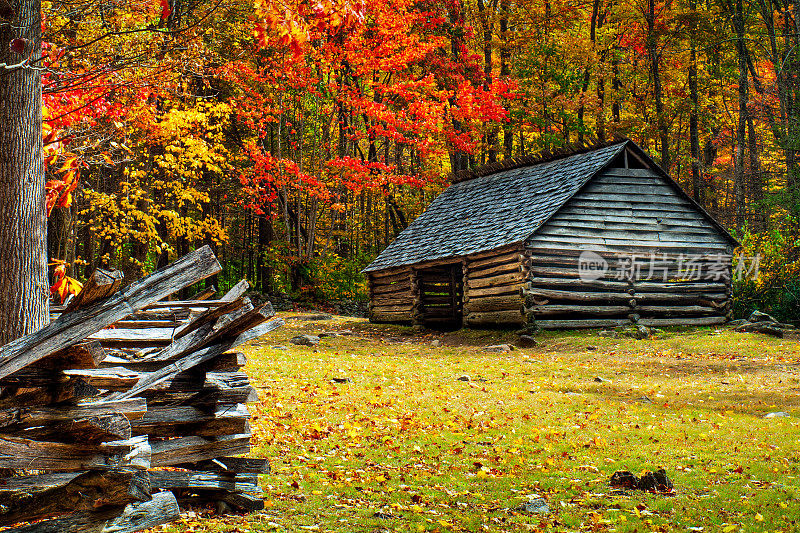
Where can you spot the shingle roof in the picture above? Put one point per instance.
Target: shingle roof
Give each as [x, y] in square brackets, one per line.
[491, 211]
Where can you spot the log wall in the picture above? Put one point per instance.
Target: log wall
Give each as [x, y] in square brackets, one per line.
[390, 296]
[492, 283]
[666, 264]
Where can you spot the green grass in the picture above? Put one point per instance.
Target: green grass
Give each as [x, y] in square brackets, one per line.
[407, 439]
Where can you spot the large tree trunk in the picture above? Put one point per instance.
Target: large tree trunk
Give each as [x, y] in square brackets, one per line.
[23, 214]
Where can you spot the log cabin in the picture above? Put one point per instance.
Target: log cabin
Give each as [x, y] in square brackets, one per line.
[598, 236]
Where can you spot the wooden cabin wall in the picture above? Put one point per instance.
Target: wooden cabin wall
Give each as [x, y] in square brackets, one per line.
[492, 283]
[390, 295]
[620, 213]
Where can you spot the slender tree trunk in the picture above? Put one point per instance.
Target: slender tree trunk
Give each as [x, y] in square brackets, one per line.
[738, 169]
[505, 72]
[487, 21]
[23, 214]
[694, 133]
[655, 76]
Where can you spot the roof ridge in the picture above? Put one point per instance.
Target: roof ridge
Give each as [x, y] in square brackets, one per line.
[545, 156]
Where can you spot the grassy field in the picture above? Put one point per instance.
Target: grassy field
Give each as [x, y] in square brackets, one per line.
[404, 445]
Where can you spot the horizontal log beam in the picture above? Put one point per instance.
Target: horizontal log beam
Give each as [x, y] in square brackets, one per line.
[192, 449]
[23, 454]
[582, 324]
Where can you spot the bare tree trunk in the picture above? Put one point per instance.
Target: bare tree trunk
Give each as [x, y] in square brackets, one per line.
[655, 74]
[694, 133]
[505, 71]
[738, 169]
[23, 214]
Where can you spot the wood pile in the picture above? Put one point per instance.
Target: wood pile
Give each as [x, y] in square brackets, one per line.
[111, 429]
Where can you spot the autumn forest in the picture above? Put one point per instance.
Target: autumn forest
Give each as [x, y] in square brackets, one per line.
[297, 139]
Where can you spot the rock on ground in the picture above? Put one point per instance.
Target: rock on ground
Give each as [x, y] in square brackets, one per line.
[498, 348]
[777, 414]
[535, 504]
[305, 340]
[526, 341]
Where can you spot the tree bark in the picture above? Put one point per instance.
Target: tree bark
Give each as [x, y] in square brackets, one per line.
[694, 133]
[738, 169]
[23, 213]
[655, 75]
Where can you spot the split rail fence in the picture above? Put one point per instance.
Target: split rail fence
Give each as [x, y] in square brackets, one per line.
[113, 429]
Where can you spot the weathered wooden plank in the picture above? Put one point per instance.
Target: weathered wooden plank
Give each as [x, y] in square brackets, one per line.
[192, 420]
[611, 178]
[24, 454]
[78, 325]
[498, 318]
[700, 243]
[134, 337]
[89, 430]
[386, 277]
[236, 292]
[243, 502]
[633, 236]
[132, 408]
[193, 449]
[495, 281]
[112, 378]
[494, 303]
[582, 324]
[144, 324]
[391, 308]
[628, 214]
[494, 252]
[212, 315]
[586, 310]
[68, 389]
[243, 465]
[380, 300]
[500, 290]
[549, 242]
[623, 296]
[178, 305]
[673, 310]
[398, 288]
[86, 354]
[503, 268]
[632, 225]
[172, 479]
[622, 254]
[227, 362]
[578, 284]
[84, 492]
[681, 286]
[508, 257]
[194, 359]
[100, 284]
[601, 187]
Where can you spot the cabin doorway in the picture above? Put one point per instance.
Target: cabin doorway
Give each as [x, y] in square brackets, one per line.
[441, 297]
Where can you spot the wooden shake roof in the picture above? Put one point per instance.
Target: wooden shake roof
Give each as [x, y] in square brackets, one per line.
[484, 211]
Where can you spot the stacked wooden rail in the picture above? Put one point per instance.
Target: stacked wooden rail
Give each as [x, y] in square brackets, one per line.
[99, 438]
